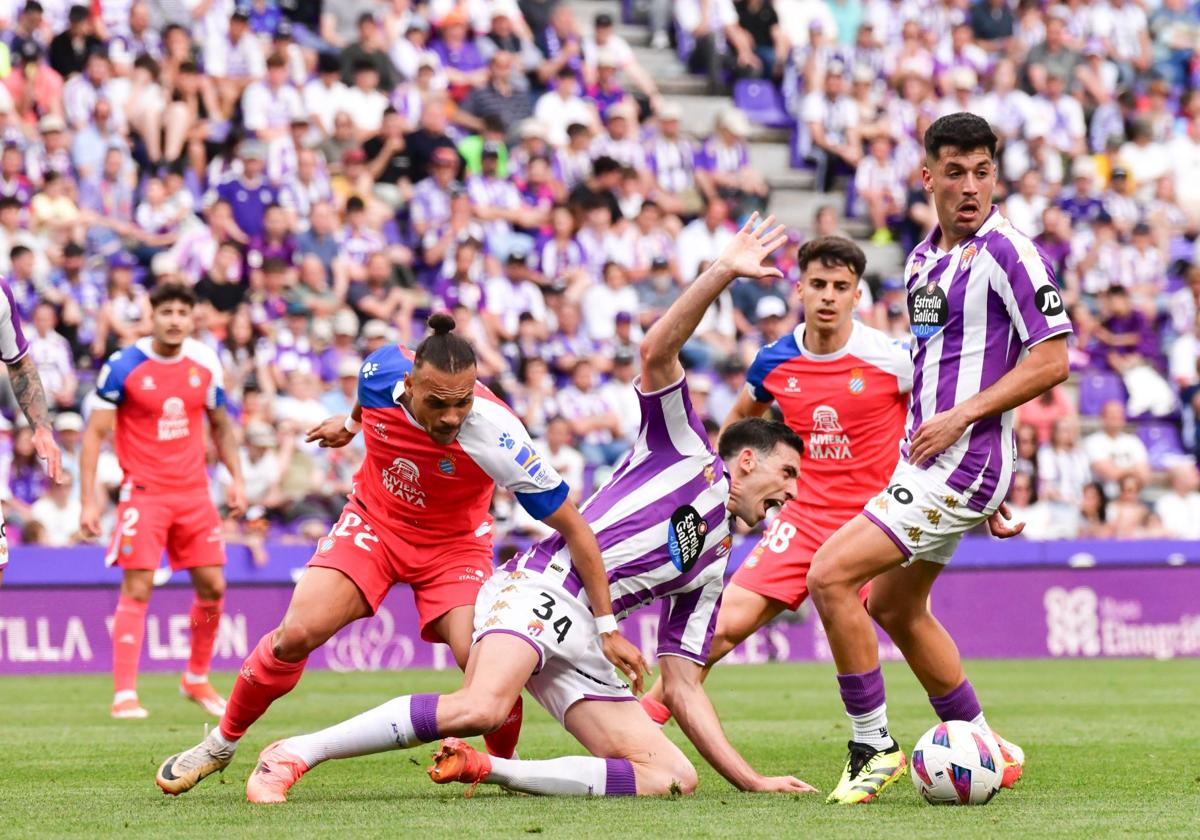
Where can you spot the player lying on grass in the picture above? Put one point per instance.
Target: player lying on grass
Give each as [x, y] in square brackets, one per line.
[989, 333]
[437, 442]
[843, 387]
[663, 524]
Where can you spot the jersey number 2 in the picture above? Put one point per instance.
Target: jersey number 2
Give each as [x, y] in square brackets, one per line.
[362, 538]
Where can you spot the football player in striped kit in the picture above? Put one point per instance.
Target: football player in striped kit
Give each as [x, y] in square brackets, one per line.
[662, 522]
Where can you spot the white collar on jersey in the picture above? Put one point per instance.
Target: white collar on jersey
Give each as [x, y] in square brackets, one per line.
[798, 334]
[993, 221]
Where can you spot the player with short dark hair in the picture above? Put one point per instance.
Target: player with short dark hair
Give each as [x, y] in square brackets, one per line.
[989, 333]
[664, 522]
[843, 388]
[154, 396]
[437, 444]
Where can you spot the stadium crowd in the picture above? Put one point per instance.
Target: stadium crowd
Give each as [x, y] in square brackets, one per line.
[325, 174]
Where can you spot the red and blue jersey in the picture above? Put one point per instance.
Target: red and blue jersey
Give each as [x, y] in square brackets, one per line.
[429, 493]
[161, 403]
[848, 406]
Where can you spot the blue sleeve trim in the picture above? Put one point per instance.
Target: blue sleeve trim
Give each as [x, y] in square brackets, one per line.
[543, 504]
[378, 376]
[767, 359]
[120, 365]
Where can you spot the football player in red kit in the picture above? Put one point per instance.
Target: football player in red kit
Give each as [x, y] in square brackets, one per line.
[437, 443]
[154, 397]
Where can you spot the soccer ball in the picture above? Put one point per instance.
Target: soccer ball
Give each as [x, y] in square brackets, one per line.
[957, 763]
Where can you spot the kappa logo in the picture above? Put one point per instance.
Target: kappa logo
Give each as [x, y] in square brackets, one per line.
[858, 382]
[1072, 621]
[510, 588]
[881, 502]
[499, 605]
[793, 385]
[934, 516]
[914, 534]
[950, 502]
[380, 429]
[492, 621]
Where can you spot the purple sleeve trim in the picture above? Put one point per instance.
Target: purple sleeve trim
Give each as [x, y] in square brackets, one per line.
[523, 638]
[676, 650]
[1035, 339]
[599, 698]
[891, 534]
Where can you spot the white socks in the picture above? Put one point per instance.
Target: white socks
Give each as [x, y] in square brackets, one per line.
[872, 728]
[122, 696]
[223, 742]
[386, 727]
[194, 679]
[570, 776]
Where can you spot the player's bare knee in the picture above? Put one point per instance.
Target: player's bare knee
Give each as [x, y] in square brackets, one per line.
[138, 589]
[667, 776]
[210, 590]
[293, 642]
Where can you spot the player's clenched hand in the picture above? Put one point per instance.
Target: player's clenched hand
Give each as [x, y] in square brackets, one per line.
[998, 523]
[331, 432]
[780, 784]
[626, 657]
[936, 435]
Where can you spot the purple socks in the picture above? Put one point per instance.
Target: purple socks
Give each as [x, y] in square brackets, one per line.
[862, 693]
[959, 704]
[619, 780]
[423, 712]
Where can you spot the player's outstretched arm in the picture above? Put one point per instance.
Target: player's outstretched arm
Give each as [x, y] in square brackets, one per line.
[336, 431]
[586, 559]
[227, 450]
[1044, 367]
[99, 426]
[745, 406]
[27, 386]
[742, 257]
[684, 695]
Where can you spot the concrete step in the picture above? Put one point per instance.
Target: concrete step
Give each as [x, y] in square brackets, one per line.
[772, 160]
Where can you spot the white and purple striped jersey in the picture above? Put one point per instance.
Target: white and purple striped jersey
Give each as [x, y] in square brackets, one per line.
[12, 338]
[975, 311]
[662, 526]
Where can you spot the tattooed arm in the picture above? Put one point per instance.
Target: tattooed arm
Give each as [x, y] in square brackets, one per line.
[27, 386]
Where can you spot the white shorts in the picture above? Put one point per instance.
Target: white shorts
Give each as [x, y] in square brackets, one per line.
[571, 662]
[924, 518]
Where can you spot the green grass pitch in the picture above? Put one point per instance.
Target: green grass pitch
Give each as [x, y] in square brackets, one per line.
[1112, 751]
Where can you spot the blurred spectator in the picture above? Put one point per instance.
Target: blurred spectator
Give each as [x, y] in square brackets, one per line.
[1093, 513]
[593, 420]
[1045, 411]
[1114, 453]
[57, 512]
[1127, 513]
[1178, 509]
[51, 353]
[1063, 467]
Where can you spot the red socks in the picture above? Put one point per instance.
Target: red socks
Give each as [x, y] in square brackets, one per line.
[129, 627]
[206, 618]
[503, 742]
[263, 679]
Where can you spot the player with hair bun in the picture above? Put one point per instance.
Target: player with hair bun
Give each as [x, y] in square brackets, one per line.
[437, 443]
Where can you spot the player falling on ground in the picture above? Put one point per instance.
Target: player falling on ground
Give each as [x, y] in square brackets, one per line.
[663, 523]
[154, 397]
[989, 334]
[843, 387]
[437, 443]
[31, 397]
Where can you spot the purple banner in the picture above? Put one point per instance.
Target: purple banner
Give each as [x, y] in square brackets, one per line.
[84, 565]
[1091, 612]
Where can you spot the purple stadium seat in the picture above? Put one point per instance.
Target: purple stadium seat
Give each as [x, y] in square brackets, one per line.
[1162, 441]
[762, 102]
[1096, 388]
[627, 16]
[684, 43]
